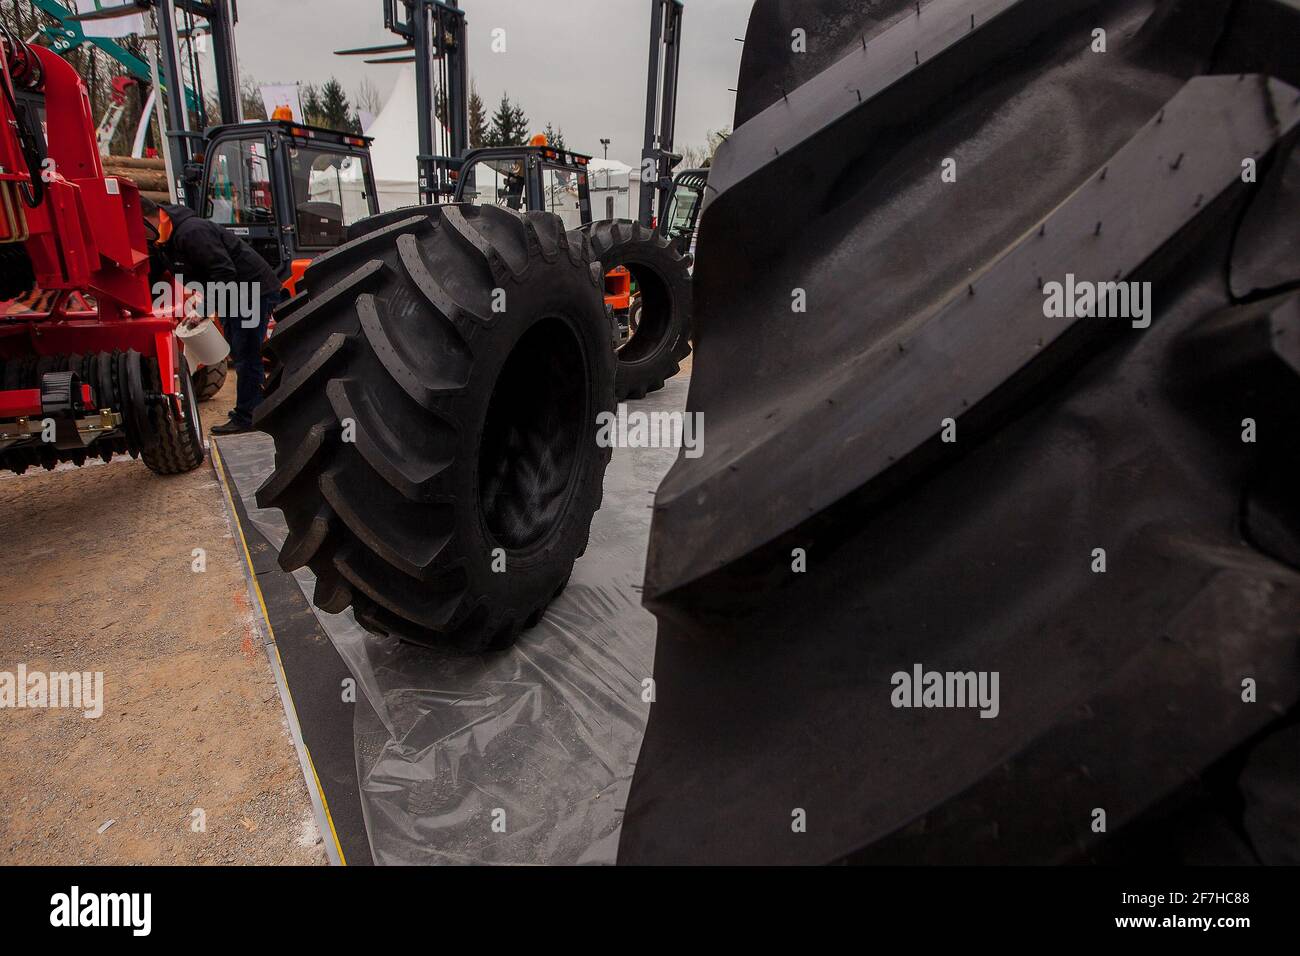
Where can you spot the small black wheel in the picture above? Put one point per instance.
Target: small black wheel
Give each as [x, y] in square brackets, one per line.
[173, 440]
[209, 379]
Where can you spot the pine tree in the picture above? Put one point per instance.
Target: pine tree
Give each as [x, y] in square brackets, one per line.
[500, 126]
[334, 106]
[520, 122]
[478, 123]
[555, 138]
[509, 125]
[312, 111]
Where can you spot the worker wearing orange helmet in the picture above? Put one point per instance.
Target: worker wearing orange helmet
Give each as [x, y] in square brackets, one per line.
[203, 252]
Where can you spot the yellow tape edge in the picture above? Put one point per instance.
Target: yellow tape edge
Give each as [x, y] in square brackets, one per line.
[257, 591]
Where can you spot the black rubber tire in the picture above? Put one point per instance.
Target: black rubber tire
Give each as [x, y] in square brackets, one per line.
[655, 353]
[209, 380]
[173, 443]
[473, 429]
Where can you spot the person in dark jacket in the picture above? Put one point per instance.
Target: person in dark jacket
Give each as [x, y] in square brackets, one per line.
[198, 250]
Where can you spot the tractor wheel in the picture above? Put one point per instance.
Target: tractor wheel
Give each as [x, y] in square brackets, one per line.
[433, 405]
[170, 444]
[209, 379]
[660, 341]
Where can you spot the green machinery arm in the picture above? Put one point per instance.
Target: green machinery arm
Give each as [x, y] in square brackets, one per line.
[68, 35]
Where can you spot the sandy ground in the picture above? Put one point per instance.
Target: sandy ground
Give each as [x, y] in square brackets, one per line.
[100, 579]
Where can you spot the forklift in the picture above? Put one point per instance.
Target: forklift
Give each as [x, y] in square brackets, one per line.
[541, 178]
[647, 292]
[432, 35]
[535, 178]
[292, 190]
[287, 188]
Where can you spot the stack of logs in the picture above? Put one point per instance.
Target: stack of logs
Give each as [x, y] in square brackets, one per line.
[149, 175]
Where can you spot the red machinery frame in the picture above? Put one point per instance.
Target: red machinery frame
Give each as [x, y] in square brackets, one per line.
[86, 234]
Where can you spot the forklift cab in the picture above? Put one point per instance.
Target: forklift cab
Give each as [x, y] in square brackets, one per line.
[684, 210]
[528, 179]
[544, 179]
[288, 189]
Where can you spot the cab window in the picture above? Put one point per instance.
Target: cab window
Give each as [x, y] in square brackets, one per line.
[329, 189]
[238, 190]
[561, 194]
[681, 211]
[496, 182]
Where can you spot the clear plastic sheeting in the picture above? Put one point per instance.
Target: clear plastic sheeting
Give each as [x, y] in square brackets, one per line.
[521, 756]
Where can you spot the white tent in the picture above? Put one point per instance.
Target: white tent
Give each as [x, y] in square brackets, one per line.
[396, 145]
[607, 172]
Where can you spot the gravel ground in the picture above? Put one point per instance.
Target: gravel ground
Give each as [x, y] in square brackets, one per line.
[100, 578]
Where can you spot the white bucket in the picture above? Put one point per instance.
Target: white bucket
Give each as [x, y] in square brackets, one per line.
[204, 344]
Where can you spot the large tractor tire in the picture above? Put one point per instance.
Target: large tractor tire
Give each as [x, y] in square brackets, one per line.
[209, 380]
[433, 401]
[1096, 509]
[661, 339]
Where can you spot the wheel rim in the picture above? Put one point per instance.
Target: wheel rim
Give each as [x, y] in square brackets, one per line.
[532, 437]
[653, 320]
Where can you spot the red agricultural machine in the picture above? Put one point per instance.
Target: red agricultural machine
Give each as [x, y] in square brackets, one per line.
[98, 370]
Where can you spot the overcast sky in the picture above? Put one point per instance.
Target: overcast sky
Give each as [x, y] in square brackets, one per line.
[580, 64]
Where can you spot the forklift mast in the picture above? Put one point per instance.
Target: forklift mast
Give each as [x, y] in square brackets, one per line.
[432, 34]
[220, 16]
[657, 156]
[221, 24]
